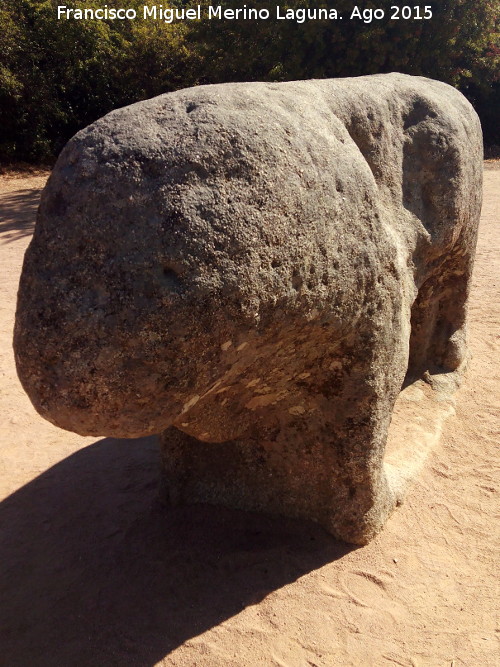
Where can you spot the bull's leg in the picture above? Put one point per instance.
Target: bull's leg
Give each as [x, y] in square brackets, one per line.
[442, 179]
[438, 336]
[448, 346]
[325, 468]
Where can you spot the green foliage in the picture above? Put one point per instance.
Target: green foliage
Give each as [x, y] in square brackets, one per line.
[458, 44]
[56, 76]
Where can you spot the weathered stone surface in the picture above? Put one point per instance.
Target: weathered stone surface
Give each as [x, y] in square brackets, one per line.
[254, 269]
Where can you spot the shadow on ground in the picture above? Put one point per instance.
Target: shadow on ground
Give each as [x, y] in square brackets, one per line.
[18, 213]
[94, 571]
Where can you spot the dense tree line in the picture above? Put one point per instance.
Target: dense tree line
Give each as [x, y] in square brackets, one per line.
[57, 76]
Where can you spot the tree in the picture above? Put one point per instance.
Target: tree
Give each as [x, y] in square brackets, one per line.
[58, 76]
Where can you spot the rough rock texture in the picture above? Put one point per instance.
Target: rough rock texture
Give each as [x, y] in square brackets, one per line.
[255, 270]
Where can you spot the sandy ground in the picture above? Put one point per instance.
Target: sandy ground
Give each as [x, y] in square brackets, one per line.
[92, 571]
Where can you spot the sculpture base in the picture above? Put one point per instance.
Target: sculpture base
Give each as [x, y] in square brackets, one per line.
[420, 413]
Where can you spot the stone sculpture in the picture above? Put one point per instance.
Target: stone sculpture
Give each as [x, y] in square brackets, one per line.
[254, 270]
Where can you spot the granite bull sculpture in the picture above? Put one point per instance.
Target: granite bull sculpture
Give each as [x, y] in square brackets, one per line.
[254, 270]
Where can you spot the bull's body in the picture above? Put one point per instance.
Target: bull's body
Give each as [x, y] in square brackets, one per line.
[259, 266]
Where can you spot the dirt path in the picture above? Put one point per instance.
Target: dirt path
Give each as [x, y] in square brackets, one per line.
[93, 574]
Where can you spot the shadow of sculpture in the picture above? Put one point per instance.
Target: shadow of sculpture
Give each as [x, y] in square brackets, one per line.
[18, 213]
[95, 571]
